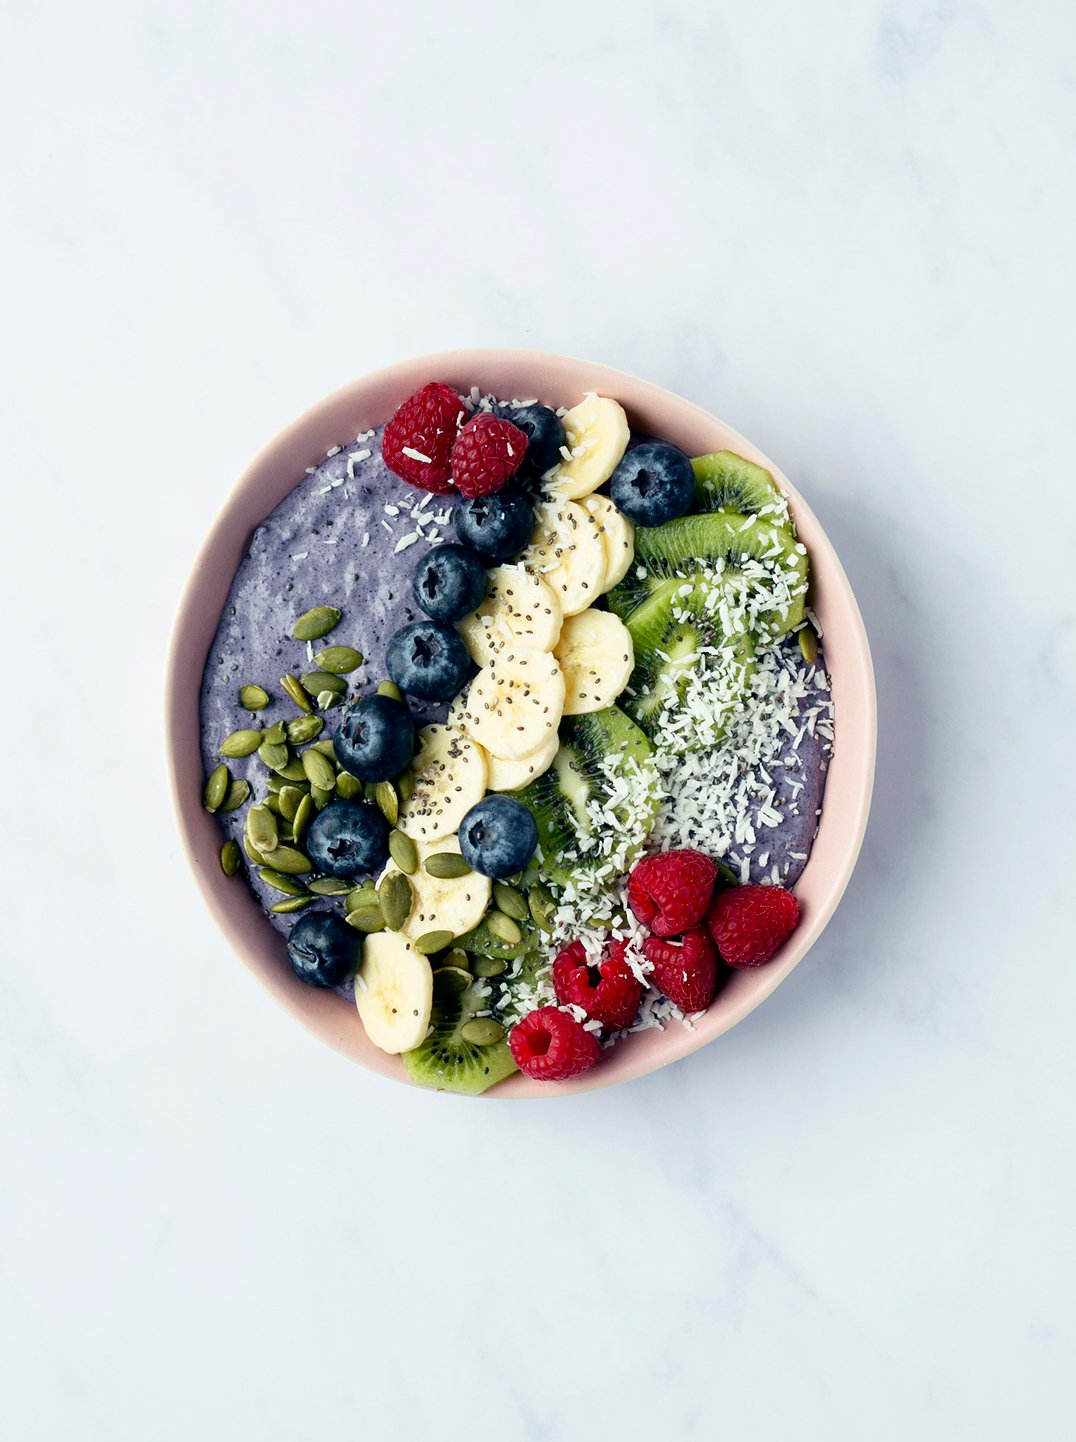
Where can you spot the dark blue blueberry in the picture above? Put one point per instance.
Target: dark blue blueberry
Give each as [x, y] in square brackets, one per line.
[348, 838]
[376, 738]
[544, 432]
[654, 483]
[428, 660]
[323, 949]
[449, 582]
[498, 837]
[497, 526]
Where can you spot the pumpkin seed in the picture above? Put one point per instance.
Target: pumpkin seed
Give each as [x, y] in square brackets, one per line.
[458, 959]
[326, 748]
[278, 881]
[319, 770]
[330, 886]
[445, 864]
[396, 899]
[405, 784]
[292, 903]
[404, 852]
[338, 660]
[317, 622]
[216, 788]
[503, 927]
[301, 729]
[512, 902]
[261, 828]
[304, 814]
[363, 897]
[292, 771]
[320, 796]
[287, 859]
[432, 941]
[348, 786]
[327, 700]
[366, 918]
[273, 802]
[253, 852]
[727, 877]
[275, 734]
[451, 979]
[253, 698]
[274, 754]
[241, 743]
[231, 858]
[390, 688]
[289, 800]
[369, 790]
[489, 966]
[296, 692]
[388, 802]
[542, 906]
[482, 1031]
[279, 783]
[238, 792]
[808, 645]
[318, 681]
[284, 831]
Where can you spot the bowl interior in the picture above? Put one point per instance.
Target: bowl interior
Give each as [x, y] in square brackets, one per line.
[557, 380]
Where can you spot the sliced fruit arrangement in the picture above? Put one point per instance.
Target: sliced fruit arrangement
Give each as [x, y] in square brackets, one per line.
[450, 773]
[597, 656]
[596, 436]
[567, 551]
[520, 609]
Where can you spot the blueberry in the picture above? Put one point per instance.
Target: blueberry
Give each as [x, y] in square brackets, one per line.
[323, 949]
[654, 483]
[449, 582]
[376, 738]
[348, 838]
[544, 432]
[428, 659]
[496, 526]
[498, 837]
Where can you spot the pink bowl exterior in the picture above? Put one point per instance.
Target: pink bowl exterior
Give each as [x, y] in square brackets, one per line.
[557, 380]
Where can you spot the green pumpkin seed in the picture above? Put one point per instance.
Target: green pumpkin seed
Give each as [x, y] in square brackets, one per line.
[725, 876]
[293, 771]
[319, 770]
[451, 979]
[284, 831]
[330, 886]
[362, 898]
[292, 903]
[296, 692]
[301, 729]
[304, 814]
[348, 786]
[275, 734]
[317, 622]
[404, 852]
[273, 802]
[241, 743]
[281, 783]
[320, 797]
[327, 700]
[503, 927]
[280, 882]
[253, 698]
[216, 788]
[261, 828]
[489, 966]
[287, 859]
[458, 959]
[482, 1031]
[274, 754]
[445, 864]
[289, 800]
[231, 858]
[512, 902]
[338, 660]
[369, 791]
[367, 918]
[253, 852]
[808, 645]
[390, 688]
[542, 906]
[238, 793]
[326, 748]
[405, 785]
[387, 801]
[318, 681]
[396, 899]
[432, 941]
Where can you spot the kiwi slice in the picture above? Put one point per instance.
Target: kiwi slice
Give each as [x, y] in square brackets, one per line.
[558, 798]
[445, 1060]
[725, 481]
[683, 548]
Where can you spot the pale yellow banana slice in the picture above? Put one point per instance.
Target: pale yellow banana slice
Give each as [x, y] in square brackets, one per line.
[618, 538]
[597, 657]
[450, 777]
[505, 775]
[596, 436]
[445, 903]
[394, 992]
[515, 703]
[566, 551]
[520, 609]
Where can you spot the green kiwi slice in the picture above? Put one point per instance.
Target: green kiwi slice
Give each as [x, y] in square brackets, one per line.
[445, 1060]
[725, 481]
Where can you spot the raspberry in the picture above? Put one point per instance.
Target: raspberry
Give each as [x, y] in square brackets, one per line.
[427, 423]
[550, 1045]
[685, 970]
[749, 923]
[607, 992]
[670, 892]
[486, 452]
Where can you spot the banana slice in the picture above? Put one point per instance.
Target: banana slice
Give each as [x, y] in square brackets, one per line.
[566, 551]
[618, 538]
[596, 432]
[450, 777]
[394, 992]
[515, 703]
[505, 775]
[597, 656]
[444, 903]
[520, 609]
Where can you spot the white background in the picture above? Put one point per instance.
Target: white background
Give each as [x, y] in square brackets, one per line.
[848, 228]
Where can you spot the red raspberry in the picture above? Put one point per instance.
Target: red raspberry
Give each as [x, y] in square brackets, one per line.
[685, 970]
[670, 892]
[749, 923]
[427, 423]
[550, 1045]
[608, 992]
[487, 451]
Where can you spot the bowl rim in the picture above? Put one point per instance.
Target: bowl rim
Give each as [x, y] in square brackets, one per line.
[321, 1012]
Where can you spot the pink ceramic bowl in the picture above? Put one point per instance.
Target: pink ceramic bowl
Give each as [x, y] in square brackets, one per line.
[557, 380]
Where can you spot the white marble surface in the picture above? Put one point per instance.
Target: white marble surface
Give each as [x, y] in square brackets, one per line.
[849, 229]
